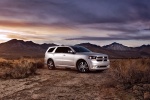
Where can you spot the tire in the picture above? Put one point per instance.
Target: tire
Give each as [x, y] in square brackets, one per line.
[50, 64]
[82, 66]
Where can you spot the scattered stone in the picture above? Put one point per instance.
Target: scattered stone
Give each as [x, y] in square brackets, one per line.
[146, 87]
[147, 96]
[138, 87]
[35, 96]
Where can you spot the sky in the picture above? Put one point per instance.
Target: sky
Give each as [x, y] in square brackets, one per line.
[71, 22]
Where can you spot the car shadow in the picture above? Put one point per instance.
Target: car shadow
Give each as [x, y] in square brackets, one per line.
[76, 71]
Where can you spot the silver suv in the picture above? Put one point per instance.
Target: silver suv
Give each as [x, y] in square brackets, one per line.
[75, 57]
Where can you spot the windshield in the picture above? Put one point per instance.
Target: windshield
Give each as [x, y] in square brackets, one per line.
[80, 49]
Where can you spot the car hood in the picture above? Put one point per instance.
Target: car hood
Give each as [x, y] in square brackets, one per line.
[92, 54]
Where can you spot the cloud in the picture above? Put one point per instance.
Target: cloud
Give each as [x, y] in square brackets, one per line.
[110, 38]
[73, 12]
[125, 17]
[137, 35]
[25, 37]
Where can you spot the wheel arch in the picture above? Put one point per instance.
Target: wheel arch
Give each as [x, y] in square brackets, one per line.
[49, 59]
[79, 61]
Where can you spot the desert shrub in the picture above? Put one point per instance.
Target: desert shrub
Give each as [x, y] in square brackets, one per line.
[5, 63]
[21, 68]
[129, 72]
[39, 63]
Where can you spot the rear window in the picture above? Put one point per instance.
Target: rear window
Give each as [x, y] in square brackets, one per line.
[51, 49]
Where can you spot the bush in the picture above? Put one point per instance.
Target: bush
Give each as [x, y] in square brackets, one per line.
[129, 72]
[21, 68]
[39, 64]
[5, 63]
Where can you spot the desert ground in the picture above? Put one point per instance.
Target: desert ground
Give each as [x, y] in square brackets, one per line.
[69, 84]
[56, 85]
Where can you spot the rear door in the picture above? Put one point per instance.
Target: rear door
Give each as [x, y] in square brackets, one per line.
[58, 56]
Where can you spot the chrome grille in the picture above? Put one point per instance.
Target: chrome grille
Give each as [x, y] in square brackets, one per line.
[104, 58]
[99, 58]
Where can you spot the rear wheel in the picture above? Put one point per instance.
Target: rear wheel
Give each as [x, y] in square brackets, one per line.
[50, 64]
[82, 66]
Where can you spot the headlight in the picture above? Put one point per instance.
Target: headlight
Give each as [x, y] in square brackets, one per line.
[92, 57]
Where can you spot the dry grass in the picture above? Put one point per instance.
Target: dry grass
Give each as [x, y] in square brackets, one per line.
[126, 72]
[5, 63]
[21, 68]
[129, 72]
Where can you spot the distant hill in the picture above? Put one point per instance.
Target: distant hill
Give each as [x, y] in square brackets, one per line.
[116, 50]
[19, 48]
[117, 46]
[144, 50]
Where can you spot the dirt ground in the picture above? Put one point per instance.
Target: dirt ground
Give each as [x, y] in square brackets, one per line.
[60, 84]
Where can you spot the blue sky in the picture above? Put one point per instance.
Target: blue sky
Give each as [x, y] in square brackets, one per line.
[76, 21]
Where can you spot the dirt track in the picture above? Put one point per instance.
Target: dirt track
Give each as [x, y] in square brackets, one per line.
[60, 84]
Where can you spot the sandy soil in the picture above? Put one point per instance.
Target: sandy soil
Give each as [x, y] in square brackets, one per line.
[60, 84]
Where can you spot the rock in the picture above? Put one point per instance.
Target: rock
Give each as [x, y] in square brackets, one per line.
[140, 85]
[138, 93]
[139, 88]
[147, 96]
[146, 87]
[35, 96]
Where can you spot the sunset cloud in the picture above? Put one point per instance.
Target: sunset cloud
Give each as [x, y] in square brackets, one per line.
[63, 21]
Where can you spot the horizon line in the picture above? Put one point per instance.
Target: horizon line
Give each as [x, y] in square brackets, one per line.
[69, 44]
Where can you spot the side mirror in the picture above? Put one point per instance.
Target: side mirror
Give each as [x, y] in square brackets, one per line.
[70, 51]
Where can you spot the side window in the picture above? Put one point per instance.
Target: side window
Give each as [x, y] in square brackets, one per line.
[59, 50]
[51, 49]
[67, 49]
[62, 50]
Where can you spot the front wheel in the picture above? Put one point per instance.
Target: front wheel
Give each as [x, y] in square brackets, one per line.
[50, 64]
[82, 66]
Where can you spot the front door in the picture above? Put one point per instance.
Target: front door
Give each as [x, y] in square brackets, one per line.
[68, 59]
[63, 57]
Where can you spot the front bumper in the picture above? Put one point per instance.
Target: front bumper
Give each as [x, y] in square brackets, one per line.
[99, 65]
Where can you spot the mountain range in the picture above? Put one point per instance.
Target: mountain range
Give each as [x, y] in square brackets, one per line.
[19, 48]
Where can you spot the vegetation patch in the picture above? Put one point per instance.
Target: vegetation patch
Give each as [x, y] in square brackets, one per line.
[131, 75]
[21, 68]
[129, 72]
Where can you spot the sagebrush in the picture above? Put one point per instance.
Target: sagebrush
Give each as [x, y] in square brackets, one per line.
[129, 72]
[21, 68]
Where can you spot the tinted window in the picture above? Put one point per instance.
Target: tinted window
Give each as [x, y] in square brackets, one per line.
[80, 49]
[62, 50]
[51, 49]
